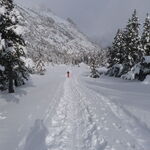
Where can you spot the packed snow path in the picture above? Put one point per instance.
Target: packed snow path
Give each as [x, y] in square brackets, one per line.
[76, 113]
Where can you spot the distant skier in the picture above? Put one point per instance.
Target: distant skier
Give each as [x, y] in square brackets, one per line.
[68, 74]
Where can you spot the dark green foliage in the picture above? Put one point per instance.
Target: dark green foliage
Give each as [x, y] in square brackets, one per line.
[117, 51]
[132, 42]
[11, 49]
[126, 50]
[146, 36]
[93, 66]
[8, 4]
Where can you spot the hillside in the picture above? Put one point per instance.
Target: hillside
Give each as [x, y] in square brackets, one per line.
[52, 36]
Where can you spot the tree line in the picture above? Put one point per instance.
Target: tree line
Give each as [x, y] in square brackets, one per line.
[130, 48]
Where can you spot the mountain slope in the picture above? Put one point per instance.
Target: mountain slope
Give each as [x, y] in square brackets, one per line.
[52, 36]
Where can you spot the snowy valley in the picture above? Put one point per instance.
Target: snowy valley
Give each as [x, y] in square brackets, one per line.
[63, 94]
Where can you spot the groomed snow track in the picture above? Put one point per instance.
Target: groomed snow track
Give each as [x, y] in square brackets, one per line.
[74, 127]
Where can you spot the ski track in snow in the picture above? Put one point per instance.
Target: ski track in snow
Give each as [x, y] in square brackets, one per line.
[74, 126]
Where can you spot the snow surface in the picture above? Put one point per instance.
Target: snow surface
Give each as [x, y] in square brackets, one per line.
[53, 112]
[146, 59]
[2, 68]
[147, 80]
[2, 10]
[131, 75]
[19, 30]
[102, 70]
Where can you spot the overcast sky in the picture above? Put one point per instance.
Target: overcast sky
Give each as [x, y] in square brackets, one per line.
[99, 19]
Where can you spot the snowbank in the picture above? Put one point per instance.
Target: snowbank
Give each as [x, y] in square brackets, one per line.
[116, 70]
[28, 63]
[2, 68]
[147, 80]
[131, 75]
[102, 70]
[146, 59]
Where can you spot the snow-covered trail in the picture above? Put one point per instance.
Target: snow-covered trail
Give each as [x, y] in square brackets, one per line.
[19, 111]
[76, 113]
[74, 127]
[87, 119]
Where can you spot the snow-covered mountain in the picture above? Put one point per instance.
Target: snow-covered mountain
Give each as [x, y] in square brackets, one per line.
[46, 32]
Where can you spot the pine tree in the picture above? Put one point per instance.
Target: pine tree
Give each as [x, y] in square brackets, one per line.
[40, 61]
[12, 49]
[117, 51]
[94, 63]
[146, 36]
[132, 42]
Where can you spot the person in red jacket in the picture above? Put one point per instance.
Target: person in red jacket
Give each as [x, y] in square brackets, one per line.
[68, 74]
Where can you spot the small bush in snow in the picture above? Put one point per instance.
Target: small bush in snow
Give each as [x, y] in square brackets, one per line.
[40, 67]
[93, 66]
[94, 74]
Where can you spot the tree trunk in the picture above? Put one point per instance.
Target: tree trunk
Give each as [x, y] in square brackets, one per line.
[16, 83]
[10, 80]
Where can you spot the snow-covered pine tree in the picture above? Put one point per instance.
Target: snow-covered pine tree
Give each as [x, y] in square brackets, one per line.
[146, 36]
[11, 49]
[2, 68]
[39, 60]
[93, 65]
[110, 56]
[117, 51]
[133, 45]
